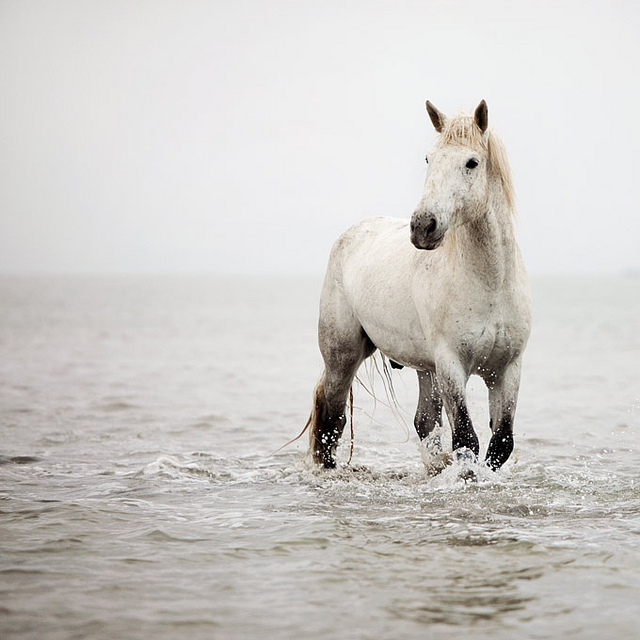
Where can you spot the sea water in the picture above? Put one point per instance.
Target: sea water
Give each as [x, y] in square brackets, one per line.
[140, 495]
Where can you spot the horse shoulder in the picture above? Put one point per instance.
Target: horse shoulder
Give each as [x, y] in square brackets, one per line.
[376, 271]
[356, 272]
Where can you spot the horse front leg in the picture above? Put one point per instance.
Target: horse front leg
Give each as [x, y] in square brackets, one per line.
[453, 381]
[503, 397]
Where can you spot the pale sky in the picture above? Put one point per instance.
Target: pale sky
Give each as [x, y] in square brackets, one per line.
[231, 136]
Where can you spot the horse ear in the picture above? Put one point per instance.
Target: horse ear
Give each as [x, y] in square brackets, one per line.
[437, 117]
[481, 116]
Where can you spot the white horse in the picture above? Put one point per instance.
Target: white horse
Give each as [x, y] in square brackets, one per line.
[446, 295]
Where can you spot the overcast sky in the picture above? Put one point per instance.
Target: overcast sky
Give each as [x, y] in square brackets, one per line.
[244, 136]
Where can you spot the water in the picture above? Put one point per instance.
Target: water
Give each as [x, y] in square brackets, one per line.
[139, 499]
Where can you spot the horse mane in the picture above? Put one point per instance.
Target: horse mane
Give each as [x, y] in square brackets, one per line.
[462, 130]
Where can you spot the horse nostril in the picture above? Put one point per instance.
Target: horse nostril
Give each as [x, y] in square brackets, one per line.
[431, 227]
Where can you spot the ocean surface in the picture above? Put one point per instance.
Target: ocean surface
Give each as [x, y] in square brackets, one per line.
[140, 495]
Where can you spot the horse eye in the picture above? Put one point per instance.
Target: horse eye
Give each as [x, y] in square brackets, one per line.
[426, 159]
[472, 163]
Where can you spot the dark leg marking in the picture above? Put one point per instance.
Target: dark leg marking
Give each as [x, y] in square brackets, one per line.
[429, 411]
[326, 441]
[463, 434]
[424, 424]
[501, 444]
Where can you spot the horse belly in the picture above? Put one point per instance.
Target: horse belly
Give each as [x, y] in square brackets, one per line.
[404, 344]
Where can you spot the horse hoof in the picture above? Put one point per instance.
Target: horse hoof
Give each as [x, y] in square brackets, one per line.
[434, 458]
[465, 458]
[465, 455]
[327, 460]
[435, 464]
[468, 475]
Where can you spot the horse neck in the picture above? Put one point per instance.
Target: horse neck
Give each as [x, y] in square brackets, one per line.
[485, 248]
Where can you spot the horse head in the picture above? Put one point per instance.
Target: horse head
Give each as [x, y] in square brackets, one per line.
[457, 184]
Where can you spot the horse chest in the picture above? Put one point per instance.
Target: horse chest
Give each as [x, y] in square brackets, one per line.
[488, 346]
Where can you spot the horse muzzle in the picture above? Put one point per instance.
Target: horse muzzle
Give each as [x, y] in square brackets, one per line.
[426, 232]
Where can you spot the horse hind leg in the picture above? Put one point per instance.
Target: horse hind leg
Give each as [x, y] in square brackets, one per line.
[428, 421]
[325, 428]
[429, 411]
[343, 353]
